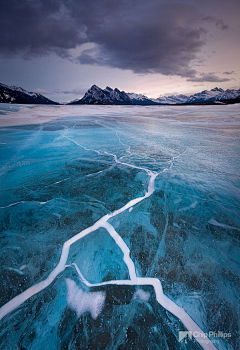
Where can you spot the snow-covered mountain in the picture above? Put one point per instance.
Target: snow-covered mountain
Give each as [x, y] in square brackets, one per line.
[213, 95]
[96, 95]
[139, 99]
[14, 94]
[172, 99]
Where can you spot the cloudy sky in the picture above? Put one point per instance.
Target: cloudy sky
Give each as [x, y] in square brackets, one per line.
[156, 47]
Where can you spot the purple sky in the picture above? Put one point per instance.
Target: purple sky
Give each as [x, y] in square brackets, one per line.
[61, 47]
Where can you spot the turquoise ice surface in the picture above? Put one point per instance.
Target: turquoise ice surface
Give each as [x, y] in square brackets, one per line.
[60, 177]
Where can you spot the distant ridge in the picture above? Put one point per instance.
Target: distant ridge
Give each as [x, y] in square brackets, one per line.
[109, 96]
[14, 94]
[214, 95]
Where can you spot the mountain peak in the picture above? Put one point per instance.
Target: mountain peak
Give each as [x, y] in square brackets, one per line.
[217, 89]
[108, 89]
[94, 87]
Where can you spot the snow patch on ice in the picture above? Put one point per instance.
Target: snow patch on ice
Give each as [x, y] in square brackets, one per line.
[81, 302]
[141, 294]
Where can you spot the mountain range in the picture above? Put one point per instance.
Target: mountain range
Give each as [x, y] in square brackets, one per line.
[96, 95]
[109, 96]
[14, 94]
[213, 95]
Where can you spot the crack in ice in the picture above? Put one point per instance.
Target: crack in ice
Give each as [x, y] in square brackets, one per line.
[162, 299]
[22, 202]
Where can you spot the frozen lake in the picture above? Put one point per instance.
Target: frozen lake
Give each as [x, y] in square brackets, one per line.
[120, 227]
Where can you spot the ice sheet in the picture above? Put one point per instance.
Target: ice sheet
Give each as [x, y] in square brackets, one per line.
[132, 211]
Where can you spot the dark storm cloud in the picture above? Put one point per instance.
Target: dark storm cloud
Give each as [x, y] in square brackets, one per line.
[208, 77]
[37, 27]
[218, 22]
[221, 24]
[229, 73]
[154, 38]
[142, 36]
